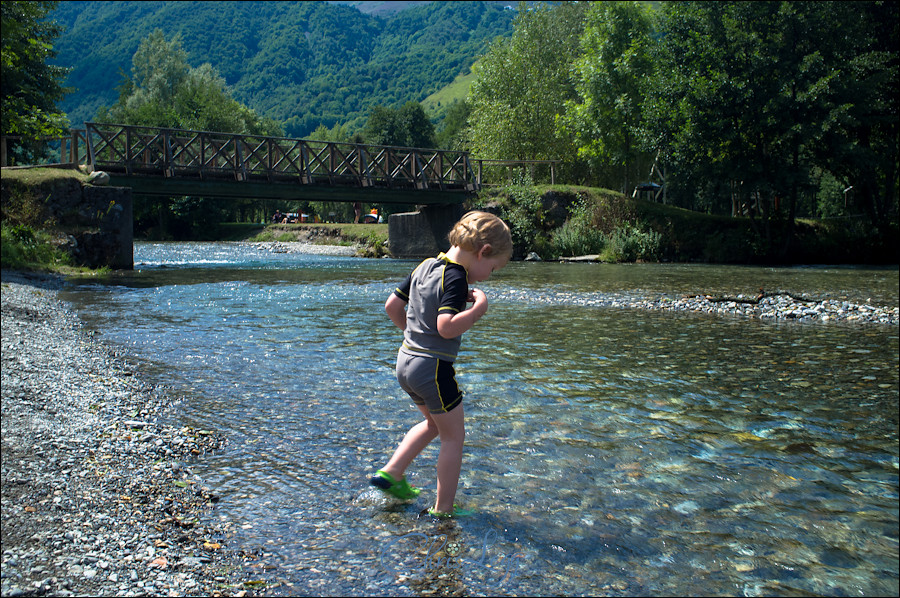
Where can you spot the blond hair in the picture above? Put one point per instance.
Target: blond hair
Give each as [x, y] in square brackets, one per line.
[477, 229]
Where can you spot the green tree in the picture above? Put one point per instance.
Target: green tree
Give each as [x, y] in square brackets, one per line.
[522, 84]
[338, 133]
[417, 127]
[759, 95]
[165, 91]
[859, 147]
[407, 127]
[454, 135]
[30, 86]
[382, 127]
[611, 77]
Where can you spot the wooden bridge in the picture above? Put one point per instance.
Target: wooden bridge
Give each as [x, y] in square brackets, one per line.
[162, 161]
[172, 162]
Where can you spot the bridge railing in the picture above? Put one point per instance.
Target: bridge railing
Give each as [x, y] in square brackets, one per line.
[69, 150]
[133, 150]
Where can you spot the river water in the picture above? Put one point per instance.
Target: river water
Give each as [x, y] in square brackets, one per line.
[609, 450]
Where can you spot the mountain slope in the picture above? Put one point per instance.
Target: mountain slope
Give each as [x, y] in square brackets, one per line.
[301, 63]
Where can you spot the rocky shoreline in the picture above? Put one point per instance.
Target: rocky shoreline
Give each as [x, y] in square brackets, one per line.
[98, 498]
[781, 306]
[777, 306]
[304, 247]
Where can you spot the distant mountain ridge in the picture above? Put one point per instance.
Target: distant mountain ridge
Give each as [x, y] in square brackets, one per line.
[381, 9]
[304, 64]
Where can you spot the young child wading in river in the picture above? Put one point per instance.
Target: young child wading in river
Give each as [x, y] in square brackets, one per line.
[431, 309]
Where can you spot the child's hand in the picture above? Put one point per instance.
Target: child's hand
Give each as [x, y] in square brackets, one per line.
[452, 325]
[479, 301]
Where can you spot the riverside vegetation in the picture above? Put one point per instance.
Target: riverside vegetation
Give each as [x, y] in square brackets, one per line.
[551, 221]
[560, 221]
[31, 236]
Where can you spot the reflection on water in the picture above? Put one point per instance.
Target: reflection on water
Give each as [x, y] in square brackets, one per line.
[609, 451]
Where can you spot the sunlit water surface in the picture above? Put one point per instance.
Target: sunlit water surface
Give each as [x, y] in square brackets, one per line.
[608, 450]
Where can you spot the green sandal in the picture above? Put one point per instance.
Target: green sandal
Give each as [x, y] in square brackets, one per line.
[457, 512]
[398, 489]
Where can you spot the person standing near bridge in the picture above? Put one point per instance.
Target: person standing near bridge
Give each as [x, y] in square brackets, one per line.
[430, 308]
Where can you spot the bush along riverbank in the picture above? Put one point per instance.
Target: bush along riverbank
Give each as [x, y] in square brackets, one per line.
[588, 224]
[554, 222]
[98, 496]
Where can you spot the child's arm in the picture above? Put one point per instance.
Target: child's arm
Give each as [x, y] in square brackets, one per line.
[453, 325]
[396, 311]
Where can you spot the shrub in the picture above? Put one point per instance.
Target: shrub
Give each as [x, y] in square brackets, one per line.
[629, 243]
[578, 236]
[524, 213]
[22, 206]
[23, 248]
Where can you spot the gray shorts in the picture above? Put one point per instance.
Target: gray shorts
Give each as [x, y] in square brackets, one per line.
[429, 381]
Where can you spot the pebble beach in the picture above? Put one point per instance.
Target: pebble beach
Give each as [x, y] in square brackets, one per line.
[98, 498]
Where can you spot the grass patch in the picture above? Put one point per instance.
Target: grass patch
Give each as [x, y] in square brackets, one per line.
[40, 176]
[23, 248]
[457, 90]
[358, 233]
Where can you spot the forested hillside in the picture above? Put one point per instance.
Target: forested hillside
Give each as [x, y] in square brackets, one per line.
[303, 64]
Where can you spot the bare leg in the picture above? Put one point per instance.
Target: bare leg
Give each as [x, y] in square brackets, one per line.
[415, 441]
[452, 430]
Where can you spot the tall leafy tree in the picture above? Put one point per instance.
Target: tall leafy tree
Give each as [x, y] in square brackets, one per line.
[417, 127]
[165, 91]
[761, 94]
[31, 87]
[408, 126]
[612, 75]
[859, 146]
[522, 84]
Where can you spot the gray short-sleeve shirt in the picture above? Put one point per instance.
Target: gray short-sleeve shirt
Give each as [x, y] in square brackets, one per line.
[438, 285]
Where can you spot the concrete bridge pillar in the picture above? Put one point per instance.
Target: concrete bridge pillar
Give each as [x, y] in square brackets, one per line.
[422, 233]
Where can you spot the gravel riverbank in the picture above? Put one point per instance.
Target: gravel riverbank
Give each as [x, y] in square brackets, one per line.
[780, 306]
[776, 306]
[98, 499]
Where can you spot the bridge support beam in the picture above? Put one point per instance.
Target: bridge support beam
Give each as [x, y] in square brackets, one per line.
[422, 233]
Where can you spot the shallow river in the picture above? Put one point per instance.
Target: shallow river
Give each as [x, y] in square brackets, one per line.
[609, 450]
